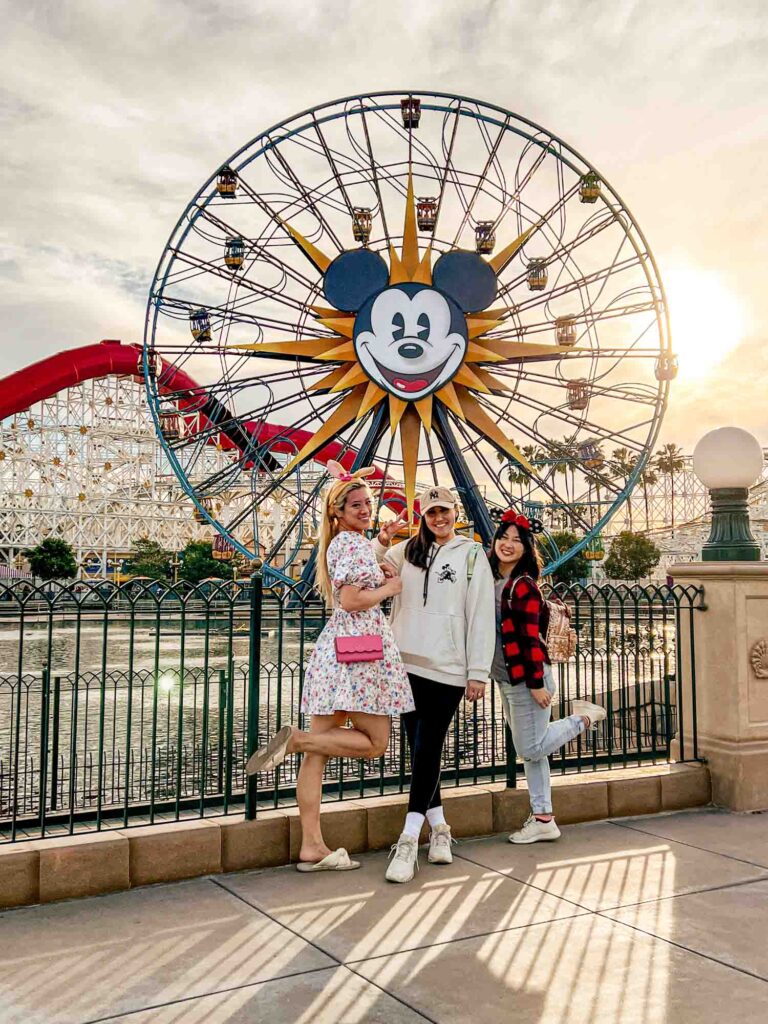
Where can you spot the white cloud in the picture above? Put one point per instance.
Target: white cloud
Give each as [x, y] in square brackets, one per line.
[112, 115]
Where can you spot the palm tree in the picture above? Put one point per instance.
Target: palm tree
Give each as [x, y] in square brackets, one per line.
[534, 453]
[595, 503]
[516, 475]
[669, 460]
[623, 464]
[648, 478]
[564, 459]
[557, 459]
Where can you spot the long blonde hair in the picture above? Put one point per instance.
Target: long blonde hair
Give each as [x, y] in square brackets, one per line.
[334, 500]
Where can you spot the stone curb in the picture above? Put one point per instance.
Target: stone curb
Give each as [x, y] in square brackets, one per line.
[109, 861]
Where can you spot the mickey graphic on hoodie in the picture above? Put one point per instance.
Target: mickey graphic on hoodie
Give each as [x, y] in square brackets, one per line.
[444, 621]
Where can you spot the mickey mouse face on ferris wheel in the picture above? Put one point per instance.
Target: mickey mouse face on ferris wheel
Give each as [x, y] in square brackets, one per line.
[410, 338]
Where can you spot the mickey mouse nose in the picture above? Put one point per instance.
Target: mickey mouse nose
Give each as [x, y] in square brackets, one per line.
[411, 350]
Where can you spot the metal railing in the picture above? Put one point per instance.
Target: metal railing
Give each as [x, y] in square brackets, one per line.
[128, 704]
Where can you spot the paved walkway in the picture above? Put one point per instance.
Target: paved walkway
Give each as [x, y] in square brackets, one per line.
[656, 920]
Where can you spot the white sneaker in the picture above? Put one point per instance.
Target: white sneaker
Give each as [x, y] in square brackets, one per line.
[404, 859]
[593, 712]
[440, 840]
[534, 831]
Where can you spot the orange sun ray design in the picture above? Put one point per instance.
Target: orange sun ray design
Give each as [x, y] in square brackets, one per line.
[363, 394]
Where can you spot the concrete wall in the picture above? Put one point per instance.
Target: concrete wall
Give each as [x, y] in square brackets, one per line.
[731, 696]
[46, 870]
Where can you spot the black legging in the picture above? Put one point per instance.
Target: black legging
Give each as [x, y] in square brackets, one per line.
[426, 729]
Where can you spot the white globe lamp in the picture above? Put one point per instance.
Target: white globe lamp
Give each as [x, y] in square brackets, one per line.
[728, 461]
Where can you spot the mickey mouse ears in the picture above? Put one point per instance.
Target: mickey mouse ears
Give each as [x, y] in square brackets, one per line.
[513, 518]
[353, 277]
[358, 274]
[467, 279]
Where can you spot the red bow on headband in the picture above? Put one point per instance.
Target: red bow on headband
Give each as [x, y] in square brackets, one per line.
[512, 518]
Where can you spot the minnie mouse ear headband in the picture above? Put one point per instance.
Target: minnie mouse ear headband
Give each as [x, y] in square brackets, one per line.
[512, 518]
[338, 472]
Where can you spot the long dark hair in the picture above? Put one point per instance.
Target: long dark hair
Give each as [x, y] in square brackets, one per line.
[418, 547]
[529, 564]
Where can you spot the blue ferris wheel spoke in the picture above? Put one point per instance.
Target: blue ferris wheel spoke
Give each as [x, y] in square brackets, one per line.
[462, 478]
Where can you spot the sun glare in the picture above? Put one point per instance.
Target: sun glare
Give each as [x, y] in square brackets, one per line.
[708, 320]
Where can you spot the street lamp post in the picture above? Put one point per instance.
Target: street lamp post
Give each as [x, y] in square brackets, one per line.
[728, 461]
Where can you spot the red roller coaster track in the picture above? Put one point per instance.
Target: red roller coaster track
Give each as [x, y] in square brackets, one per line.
[41, 380]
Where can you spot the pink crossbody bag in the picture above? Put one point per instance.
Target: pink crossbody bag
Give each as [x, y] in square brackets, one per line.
[368, 647]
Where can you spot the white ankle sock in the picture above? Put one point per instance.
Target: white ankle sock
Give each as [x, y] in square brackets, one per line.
[436, 816]
[413, 823]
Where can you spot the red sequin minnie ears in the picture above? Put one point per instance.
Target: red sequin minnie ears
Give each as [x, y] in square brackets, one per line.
[512, 518]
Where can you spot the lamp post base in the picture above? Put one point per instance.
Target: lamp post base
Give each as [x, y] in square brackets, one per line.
[730, 539]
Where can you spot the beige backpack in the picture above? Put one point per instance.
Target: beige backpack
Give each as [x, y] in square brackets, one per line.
[560, 637]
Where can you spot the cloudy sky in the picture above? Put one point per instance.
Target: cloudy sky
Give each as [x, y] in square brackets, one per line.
[113, 114]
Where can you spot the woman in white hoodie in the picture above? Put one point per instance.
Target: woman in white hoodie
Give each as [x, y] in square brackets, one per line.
[444, 624]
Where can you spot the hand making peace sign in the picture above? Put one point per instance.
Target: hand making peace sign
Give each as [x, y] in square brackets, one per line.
[388, 530]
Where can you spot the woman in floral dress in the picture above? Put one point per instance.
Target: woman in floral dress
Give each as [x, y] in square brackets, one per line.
[366, 693]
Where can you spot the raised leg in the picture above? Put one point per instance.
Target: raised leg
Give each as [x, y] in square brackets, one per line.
[369, 738]
[535, 737]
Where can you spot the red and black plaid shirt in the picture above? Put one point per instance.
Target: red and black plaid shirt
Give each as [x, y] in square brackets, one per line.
[525, 654]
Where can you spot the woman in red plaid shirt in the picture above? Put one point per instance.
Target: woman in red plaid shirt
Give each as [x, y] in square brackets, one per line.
[522, 671]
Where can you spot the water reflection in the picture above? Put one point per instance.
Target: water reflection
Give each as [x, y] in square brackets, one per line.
[146, 704]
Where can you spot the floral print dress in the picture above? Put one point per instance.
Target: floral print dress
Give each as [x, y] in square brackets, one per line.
[375, 687]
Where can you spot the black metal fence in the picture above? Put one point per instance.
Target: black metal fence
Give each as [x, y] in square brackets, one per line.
[133, 703]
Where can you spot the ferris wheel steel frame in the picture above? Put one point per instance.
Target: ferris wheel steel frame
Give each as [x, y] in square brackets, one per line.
[535, 135]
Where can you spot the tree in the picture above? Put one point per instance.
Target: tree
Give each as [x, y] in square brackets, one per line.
[594, 480]
[532, 452]
[53, 559]
[632, 557]
[148, 558]
[562, 457]
[648, 478]
[198, 563]
[669, 460]
[577, 567]
[516, 475]
[622, 467]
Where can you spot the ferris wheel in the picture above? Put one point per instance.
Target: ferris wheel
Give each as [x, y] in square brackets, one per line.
[421, 282]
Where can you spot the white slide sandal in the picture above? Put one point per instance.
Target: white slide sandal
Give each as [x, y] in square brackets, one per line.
[271, 755]
[337, 861]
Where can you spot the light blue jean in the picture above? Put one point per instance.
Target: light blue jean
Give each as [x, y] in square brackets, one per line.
[535, 736]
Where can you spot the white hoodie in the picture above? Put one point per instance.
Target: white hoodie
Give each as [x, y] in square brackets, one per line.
[452, 637]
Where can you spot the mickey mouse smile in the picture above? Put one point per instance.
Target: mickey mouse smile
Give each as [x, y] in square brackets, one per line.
[409, 383]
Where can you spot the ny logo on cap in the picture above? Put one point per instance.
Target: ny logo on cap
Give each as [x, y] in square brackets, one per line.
[433, 495]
